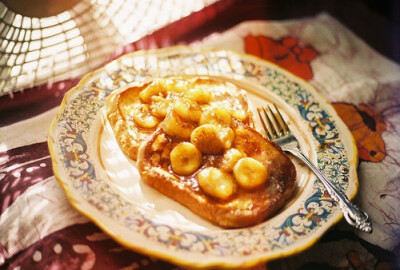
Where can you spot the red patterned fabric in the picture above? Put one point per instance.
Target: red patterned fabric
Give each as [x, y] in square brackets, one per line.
[285, 52]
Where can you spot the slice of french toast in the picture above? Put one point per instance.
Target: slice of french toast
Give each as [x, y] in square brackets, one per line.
[233, 180]
[136, 112]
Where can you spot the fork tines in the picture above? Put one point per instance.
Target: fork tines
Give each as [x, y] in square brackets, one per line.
[273, 123]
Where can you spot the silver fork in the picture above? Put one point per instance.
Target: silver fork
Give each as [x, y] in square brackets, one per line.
[278, 131]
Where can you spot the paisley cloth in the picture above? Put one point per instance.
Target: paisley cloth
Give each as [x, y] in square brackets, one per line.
[39, 229]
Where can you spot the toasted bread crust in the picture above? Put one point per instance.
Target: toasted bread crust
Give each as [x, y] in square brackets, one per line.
[245, 208]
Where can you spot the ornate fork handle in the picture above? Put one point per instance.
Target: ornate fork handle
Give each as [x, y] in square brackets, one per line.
[351, 212]
[281, 134]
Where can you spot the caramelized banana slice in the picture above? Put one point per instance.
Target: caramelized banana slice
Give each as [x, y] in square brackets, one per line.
[199, 95]
[159, 106]
[185, 158]
[142, 116]
[188, 109]
[161, 88]
[250, 173]
[230, 158]
[154, 89]
[216, 116]
[175, 126]
[216, 183]
[206, 138]
[159, 143]
[227, 135]
[241, 115]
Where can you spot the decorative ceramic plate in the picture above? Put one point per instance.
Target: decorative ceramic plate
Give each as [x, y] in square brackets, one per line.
[103, 184]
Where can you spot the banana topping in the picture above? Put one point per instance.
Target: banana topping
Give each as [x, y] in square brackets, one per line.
[159, 143]
[216, 116]
[241, 115]
[175, 126]
[227, 135]
[185, 158]
[207, 140]
[154, 89]
[189, 113]
[159, 106]
[188, 109]
[142, 116]
[250, 173]
[199, 95]
[216, 183]
[230, 158]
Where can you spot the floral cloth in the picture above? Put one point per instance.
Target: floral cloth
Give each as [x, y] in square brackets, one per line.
[40, 230]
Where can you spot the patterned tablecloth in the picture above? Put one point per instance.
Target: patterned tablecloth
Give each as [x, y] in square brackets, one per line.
[40, 230]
